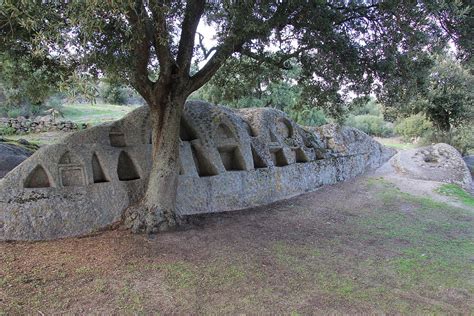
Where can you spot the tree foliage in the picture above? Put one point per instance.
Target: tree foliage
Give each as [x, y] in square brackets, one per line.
[446, 96]
[340, 46]
[449, 99]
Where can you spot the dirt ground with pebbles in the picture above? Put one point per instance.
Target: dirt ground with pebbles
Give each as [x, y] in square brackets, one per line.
[363, 246]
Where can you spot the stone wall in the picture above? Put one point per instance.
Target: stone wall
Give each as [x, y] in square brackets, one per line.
[229, 160]
[22, 125]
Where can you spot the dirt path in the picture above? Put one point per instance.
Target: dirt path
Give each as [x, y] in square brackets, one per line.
[362, 246]
[420, 188]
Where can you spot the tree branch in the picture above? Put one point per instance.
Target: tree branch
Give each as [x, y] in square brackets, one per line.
[233, 43]
[161, 40]
[206, 53]
[140, 51]
[192, 15]
[280, 63]
[223, 51]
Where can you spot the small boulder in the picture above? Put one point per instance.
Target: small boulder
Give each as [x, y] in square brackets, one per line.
[439, 162]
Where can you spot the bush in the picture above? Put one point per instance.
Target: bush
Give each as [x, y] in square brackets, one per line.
[370, 124]
[308, 116]
[6, 131]
[413, 126]
[461, 138]
[15, 112]
[371, 107]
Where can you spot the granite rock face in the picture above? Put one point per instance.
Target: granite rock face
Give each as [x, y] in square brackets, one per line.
[229, 160]
[11, 155]
[439, 162]
[469, 160]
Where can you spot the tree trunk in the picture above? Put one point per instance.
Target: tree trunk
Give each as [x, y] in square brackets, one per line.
[156, 211]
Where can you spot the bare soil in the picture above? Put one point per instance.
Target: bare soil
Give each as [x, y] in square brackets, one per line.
[362, 246]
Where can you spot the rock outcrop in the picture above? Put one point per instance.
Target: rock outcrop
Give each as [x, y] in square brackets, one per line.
[12, 154]
[469, 160]
[229, 160]
[440, 162]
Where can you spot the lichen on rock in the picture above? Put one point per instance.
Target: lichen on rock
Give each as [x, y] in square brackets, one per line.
[229, 160]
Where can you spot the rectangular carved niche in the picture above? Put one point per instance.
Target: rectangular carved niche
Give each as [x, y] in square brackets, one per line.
[71, 176]
[279, 158]
[258, 160]
[71, 171]
[117, 137]
[231, 158]
[203, 166]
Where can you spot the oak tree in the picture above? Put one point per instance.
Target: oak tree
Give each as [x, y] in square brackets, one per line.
[152, 45]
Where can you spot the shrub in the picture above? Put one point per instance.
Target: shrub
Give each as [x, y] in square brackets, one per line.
[413, 126]
[461, 138]
[309, 116]
[370, 124]
[6, 131]
[15, 112]
[56, 101]
[371, 107]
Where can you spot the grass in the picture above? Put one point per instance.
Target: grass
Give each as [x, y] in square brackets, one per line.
[395, 253]
[396, 143]
[457, 192]
[177, 274]
[95, 114]
[437, 238]
[79, 113]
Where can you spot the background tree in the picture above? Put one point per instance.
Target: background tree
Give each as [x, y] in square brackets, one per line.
[444, 94]
[449, 98]
[340, 45]
[25, 82]
[29, 71]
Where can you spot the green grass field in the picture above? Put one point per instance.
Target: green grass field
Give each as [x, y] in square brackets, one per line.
[395, 142]
[95, 114]
[459, 193]
[79, 113]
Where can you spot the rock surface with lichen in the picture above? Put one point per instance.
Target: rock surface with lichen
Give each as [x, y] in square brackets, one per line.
[229, 160]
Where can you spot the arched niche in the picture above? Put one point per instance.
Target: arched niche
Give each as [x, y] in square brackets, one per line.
[284, 128]
[117, 137]
[250, 130]
[126, 169]
[38, 178]
[186, 132]
[97, 170]
[224, 132]
[67, 158]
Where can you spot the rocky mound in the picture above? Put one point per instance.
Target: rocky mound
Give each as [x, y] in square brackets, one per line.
[229, 160]
[12, 154]
[440, 162]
